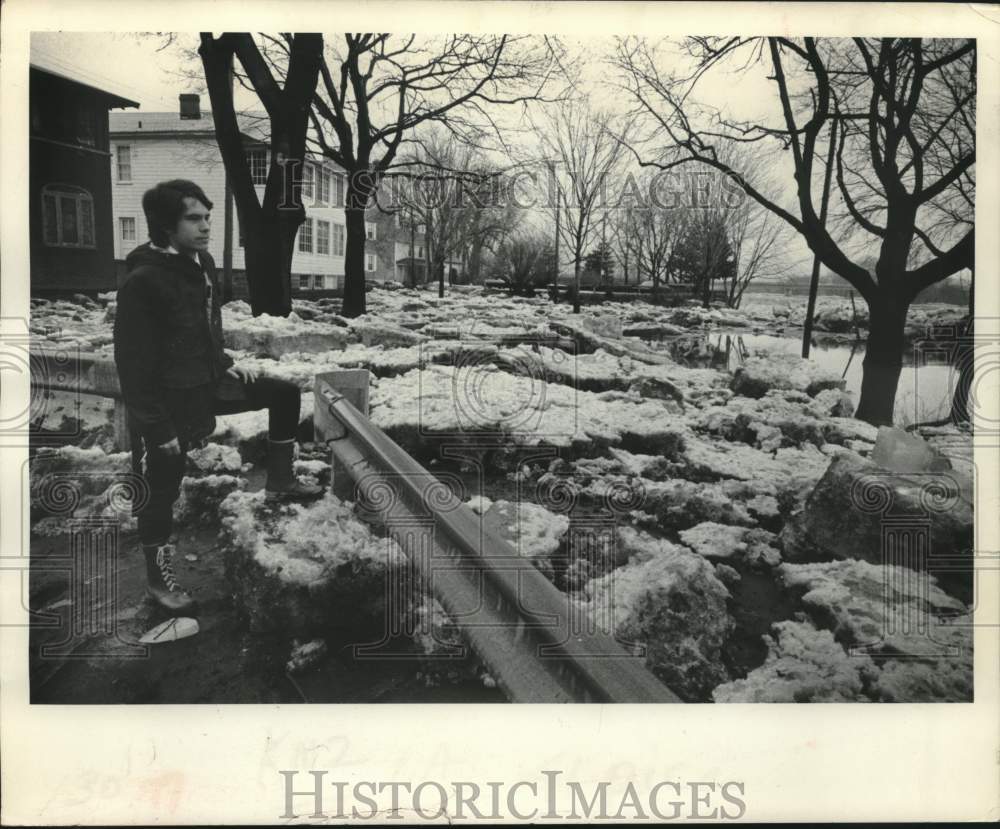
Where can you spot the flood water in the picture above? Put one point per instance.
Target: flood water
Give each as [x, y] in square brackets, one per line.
[924, 393]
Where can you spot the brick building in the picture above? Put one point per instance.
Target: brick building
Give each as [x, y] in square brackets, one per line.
[71, 235]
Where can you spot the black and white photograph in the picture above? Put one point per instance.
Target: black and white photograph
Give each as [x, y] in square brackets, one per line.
[479, 367]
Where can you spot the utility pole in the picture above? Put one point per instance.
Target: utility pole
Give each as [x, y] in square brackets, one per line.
[413, 262]
[604, 246]
[427, 247]
[555, 276]
[814, 280]
[227, 223]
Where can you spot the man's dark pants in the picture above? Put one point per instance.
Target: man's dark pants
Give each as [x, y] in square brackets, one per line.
[163, 472]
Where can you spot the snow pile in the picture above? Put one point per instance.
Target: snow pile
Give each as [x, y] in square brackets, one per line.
[375, 330]
[781, 418]
[534, 532]
[753, 547]
[602, 370]
[304, 543]
[309, 570]
[695, 315]
[915, 640]
[898, 613]
[70, 482]
[442, 400]
[922, 320]
[248, 430]
[718, 462]
[759, 375]
[787, 474]
[82, 331]
[274, 336]
[214, 458]
[803, 665]
[201, 496]
[673, 607]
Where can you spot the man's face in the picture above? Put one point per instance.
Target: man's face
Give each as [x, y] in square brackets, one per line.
[193, 228]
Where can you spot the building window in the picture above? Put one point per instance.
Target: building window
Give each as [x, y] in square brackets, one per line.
[306, 236]
[370, 231]
[323, 237]
[86, 124]
[330, 282]
[308, 182]
[338, 183]
[127, 226]
[124, 156]
[338, 240]
[370, 262]
[324, 186]
[67, 216]
[258, 165]
[305, 282]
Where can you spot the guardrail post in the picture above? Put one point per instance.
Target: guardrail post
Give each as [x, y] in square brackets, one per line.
[121, 430]
[104, 381]
[353, 385]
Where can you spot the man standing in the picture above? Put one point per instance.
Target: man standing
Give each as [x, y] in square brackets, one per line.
[175, 376]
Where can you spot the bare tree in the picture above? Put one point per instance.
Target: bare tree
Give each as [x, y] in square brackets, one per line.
[754, 235]
[904, 111]
[587, 149]
[378, 88]
[625, 240]
[524, 260]
[659, 229]
[458, 196]
[741, 228]
[269, 226]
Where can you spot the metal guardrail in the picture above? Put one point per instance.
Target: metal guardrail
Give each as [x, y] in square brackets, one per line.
[83, 373]
[538, 644]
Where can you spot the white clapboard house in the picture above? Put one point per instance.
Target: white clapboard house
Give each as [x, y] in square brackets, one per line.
[149, 147]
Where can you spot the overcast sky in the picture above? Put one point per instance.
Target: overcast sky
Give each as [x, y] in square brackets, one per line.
[132, 66]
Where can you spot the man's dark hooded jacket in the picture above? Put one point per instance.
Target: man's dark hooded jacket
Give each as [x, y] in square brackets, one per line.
[168, 344]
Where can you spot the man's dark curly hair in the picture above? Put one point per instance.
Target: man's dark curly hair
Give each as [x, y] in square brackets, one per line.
[164, 206]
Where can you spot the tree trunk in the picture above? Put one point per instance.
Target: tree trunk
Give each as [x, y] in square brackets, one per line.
[227, 245]
[264, 261]
[883, 361]
[964, 361]
[807, 327]
[576, 285]
[354, 259]
[413, 261]
[475, 262]
[270, 228]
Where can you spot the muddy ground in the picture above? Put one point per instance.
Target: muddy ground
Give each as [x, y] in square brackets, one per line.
[222, 664]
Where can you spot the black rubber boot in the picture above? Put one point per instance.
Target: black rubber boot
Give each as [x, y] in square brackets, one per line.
[281, 480]
[163, 587]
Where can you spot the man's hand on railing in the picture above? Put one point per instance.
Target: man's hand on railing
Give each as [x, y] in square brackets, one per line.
[247, 375]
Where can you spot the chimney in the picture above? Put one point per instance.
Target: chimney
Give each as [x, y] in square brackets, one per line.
[190, 107]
